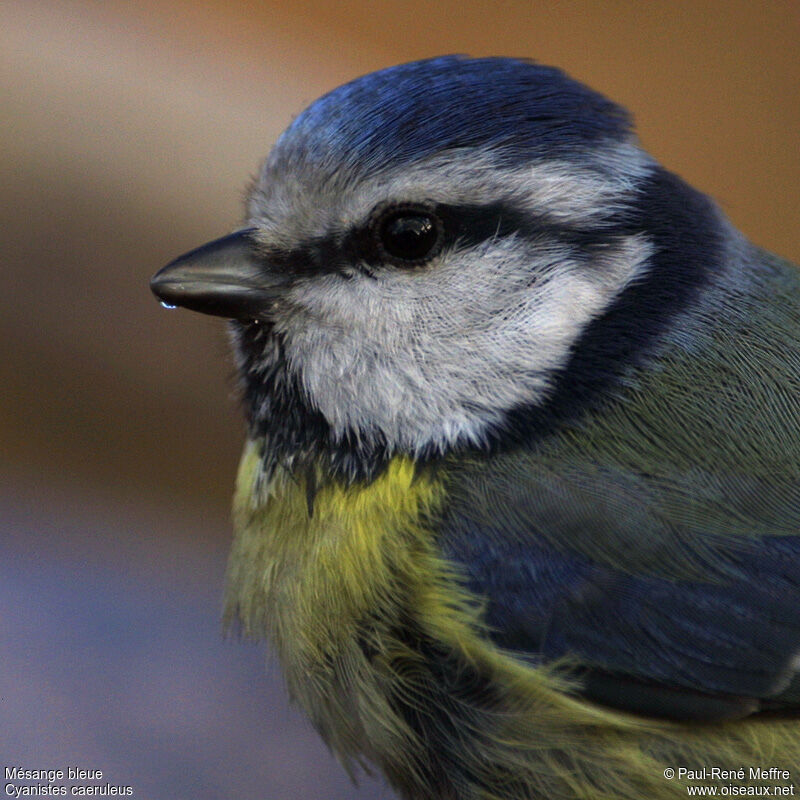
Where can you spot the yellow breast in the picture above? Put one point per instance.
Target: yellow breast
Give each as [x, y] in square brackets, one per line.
[328, 589]
[310, 578]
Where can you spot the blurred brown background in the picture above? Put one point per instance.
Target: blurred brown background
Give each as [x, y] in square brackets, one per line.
[128, 133]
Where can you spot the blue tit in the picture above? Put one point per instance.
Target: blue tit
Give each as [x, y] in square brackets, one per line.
[519, 510]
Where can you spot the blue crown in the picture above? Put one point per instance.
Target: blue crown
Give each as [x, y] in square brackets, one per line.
[517, 109]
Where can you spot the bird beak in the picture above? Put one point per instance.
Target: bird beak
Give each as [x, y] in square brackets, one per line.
[225, 278]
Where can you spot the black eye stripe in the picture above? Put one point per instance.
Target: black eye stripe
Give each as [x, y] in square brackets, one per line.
[474, 225]
[461, 226]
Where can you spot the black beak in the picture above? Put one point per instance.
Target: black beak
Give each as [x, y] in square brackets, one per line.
[224, 278]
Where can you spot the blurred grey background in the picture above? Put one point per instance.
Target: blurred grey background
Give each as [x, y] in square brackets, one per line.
[128, 133]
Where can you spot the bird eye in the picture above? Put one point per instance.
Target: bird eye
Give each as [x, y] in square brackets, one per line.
[410, 235]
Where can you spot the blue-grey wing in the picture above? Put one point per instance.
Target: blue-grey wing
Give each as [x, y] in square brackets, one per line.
[666, 607]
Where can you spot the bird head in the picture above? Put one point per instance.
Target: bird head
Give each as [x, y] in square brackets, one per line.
[424, 250]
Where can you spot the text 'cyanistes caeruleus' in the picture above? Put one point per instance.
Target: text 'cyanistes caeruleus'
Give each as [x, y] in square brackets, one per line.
[520, 507]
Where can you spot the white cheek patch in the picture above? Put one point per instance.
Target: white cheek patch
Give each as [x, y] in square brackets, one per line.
[429, 359]
[426, 357]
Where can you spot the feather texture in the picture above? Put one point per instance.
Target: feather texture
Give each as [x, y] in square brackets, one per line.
[520, 514]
